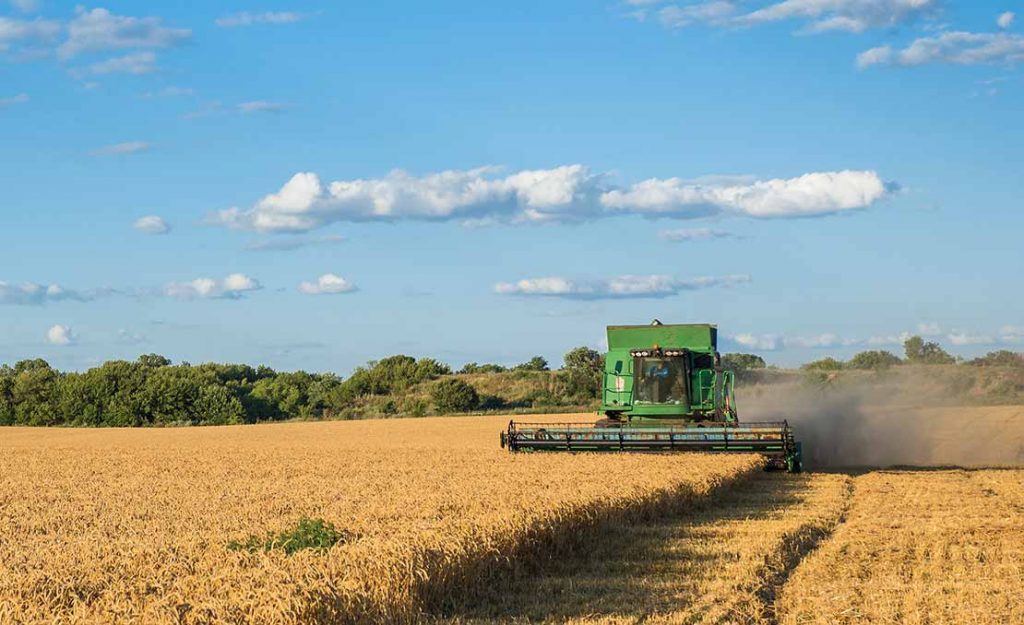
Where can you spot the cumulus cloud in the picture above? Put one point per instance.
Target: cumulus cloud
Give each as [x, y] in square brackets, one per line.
[1012, 334]
[136, 63]
[693, 234]
[960, 338]
[328, 283]
[33, 294]
[1005, 20]
[117, 149]
[560, 194]
[621, 287]
[60, 335]
[99, 30]
[820, 341]
[807, 195]
[25, 6]
[764, 342]
[953, 47]
[234, 286]
[152, 224]
[21, 98]
[888, 340]
[818, 15]
[16, 34]
[261, 106]
[293, 243]
[929, 329]
[246, 18]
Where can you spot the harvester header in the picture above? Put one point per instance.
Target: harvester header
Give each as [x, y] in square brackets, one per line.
[664, 389]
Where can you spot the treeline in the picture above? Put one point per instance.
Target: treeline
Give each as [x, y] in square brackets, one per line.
[153, 391]
[916, 351]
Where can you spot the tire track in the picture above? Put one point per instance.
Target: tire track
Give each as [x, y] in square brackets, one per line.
[796, 546]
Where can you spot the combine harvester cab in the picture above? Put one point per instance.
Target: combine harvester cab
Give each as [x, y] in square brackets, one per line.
[664, 390]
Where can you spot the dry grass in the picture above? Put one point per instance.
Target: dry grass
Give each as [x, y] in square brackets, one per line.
[132, 526]
[935, 547]
[719, 564]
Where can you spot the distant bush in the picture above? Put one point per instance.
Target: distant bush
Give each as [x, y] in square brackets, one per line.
[454, 395]
[825, 364]
[926, 353]
[1000, 358]
[472, 367]
[874, 359]
[537, 363]
[742, 362]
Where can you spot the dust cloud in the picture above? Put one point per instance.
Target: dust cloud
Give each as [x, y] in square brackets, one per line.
[877, 425]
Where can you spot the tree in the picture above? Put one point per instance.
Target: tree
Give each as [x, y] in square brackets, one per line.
[216, 406]
[582, 371]
[1000, 358]
[153, 360]
[583, 358]
[454, 395]
[926, 353]
[472, 367]
[825, 364]
[537, 363]
[742, 362]
[873, 359]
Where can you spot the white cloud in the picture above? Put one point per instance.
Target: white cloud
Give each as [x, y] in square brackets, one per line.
[21, 98]
[560, 194]
[31, 33]
[60, 335]
[807, 195]
[820, 341]
[30, 293]
[818, 15]
[874, 56]
[848, 15]
[897, 339]
[99, 29]
[1005, 20]
[1012, 334]
[929, 329]
[293, 243]
[136, 63]
[234, 286]
[130, 338]
[117, 149]
[693, 234]
[621, 287]
[246, 18]
[25, 6]
[170, 92]
[766, 342]
[152, 224]
[328, 283]
[261, 106]
[955, 47]
[959, 338]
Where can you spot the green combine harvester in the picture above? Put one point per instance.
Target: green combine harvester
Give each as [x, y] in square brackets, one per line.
[664, 390]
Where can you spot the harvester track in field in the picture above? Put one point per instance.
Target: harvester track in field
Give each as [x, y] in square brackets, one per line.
[724, 562]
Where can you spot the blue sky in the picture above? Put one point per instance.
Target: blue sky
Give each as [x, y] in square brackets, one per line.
[313, 185]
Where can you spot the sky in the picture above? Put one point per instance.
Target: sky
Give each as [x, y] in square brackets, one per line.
[313, 185]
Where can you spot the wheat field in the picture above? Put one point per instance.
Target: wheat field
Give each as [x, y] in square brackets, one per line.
[133, 526]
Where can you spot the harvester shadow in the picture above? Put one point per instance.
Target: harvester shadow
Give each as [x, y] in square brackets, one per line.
[636, 572]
